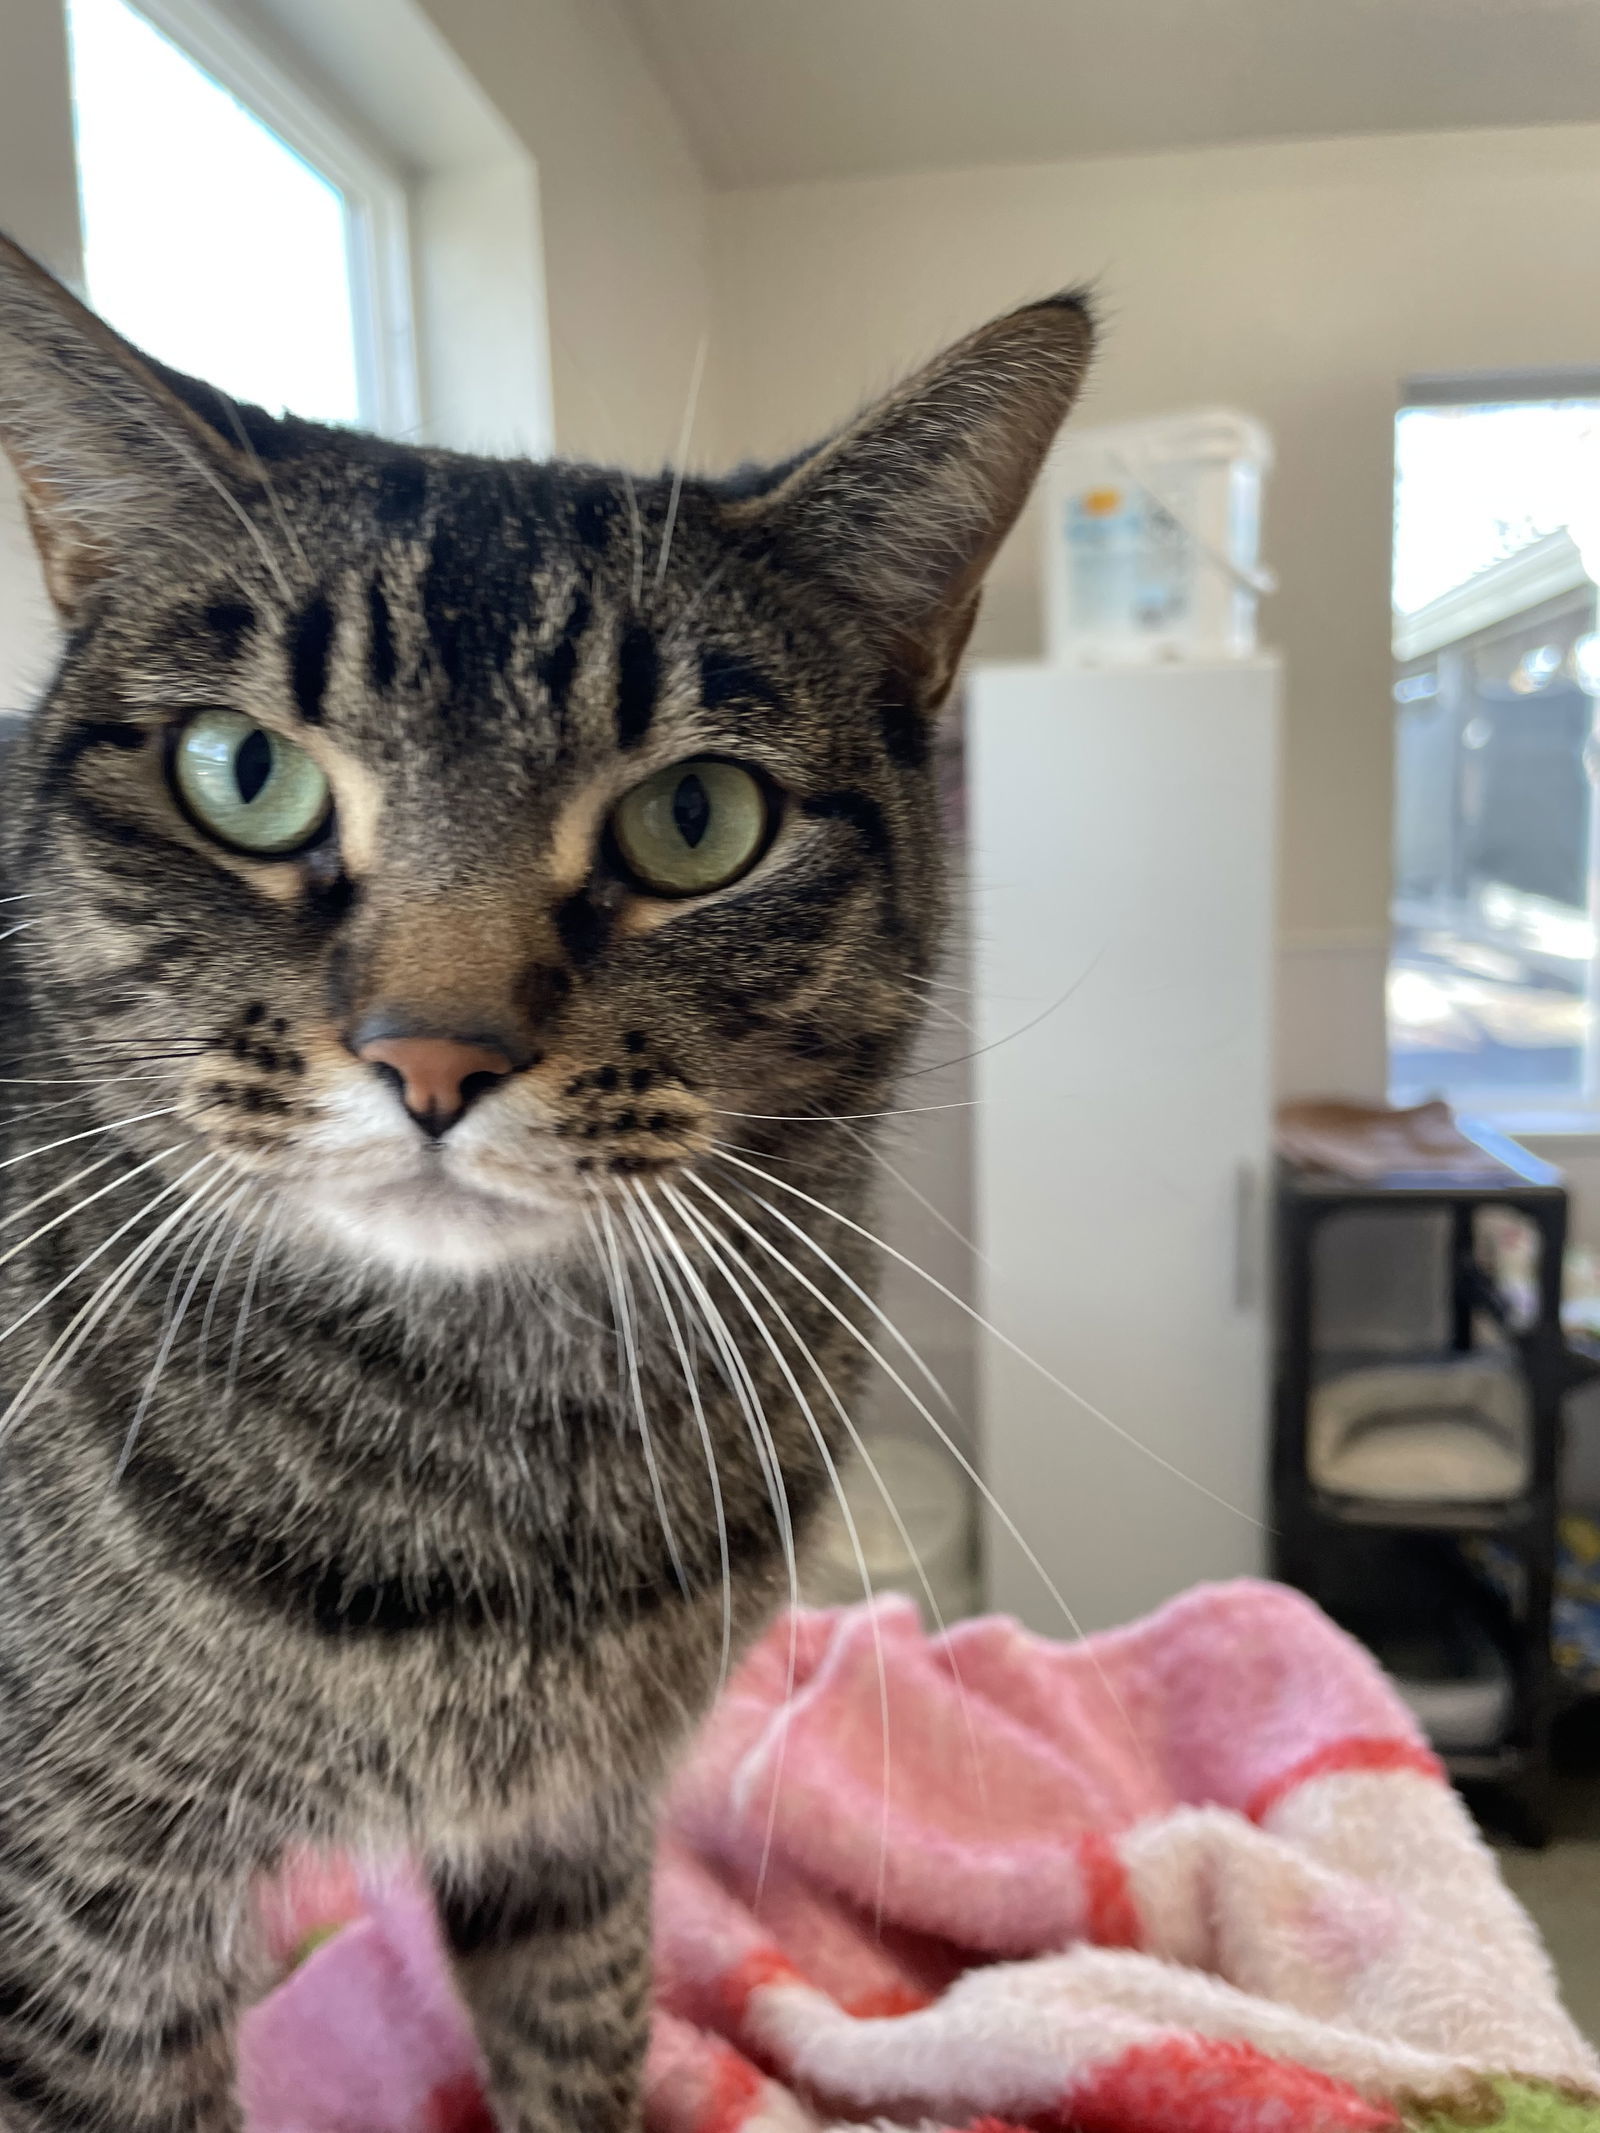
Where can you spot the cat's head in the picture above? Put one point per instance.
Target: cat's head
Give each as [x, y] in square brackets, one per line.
[438, 840]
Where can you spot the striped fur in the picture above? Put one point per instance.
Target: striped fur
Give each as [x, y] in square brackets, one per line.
[355, 1489]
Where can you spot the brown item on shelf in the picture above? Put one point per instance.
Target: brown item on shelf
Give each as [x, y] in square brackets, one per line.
[1372, 1141]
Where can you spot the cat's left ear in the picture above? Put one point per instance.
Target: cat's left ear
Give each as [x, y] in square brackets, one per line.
[904, 509]
[110, 452]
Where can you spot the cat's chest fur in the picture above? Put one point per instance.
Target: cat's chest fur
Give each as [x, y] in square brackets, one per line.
[407, 1562]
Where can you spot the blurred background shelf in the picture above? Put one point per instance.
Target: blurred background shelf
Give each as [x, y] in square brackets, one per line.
[1439, 1297]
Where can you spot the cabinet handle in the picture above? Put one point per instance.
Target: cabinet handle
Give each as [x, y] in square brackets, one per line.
[1246, 1237]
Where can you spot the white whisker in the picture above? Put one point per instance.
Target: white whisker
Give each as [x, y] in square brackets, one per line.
[636, 525]
[945, 1014]
[921, 1198]
[169, 1335]
[1029, 1554]
[90, 1315]
[67, 1139]
[624, 1296]
[865, 1297]
[273, 502]
[748, 1399]
[862, 1451]
[66, 1185]
[612, 1298]
[1005, 1340]
[100, 1249]
[245, 1301]
[938, 1066]
[696, 375]
[839, 1118]
[77, 1208]
[208, 474]
[687, 612]
[897, 1380]
[203, 1344]
[715, 1250]
[57, 1103]
[650, 1258]
[57, 1081]
[131, 1291]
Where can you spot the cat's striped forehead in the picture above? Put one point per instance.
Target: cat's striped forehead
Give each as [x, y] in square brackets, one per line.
[538, 614]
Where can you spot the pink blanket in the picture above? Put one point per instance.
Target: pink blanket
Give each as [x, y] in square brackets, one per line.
[1200, 1875]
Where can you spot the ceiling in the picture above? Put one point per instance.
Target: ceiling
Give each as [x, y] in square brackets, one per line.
[777, 90]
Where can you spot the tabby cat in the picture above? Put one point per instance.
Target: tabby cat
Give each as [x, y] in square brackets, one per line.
[450, 903]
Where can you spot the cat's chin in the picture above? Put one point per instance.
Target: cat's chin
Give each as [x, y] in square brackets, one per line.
[420, 1225]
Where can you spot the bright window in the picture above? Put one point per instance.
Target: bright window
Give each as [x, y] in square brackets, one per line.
[1494, 974]
[231, 228]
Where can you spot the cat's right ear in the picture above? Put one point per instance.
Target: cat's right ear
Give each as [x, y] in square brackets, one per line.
[902, 511]
[106, 452]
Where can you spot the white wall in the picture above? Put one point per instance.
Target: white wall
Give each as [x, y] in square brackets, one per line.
[1300, 281]
[623, 207]
[39, 208]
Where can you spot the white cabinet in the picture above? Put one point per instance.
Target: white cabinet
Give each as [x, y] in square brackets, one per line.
[1122, 829]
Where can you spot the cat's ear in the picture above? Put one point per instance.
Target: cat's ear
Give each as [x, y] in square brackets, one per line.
[107, 450]
[904, 508]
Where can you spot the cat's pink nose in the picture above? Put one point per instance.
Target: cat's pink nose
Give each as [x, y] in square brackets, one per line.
[438, 1076]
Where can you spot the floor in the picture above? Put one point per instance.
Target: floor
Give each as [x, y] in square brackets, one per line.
[1561, 1887]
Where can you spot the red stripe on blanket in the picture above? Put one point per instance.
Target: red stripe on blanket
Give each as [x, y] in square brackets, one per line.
[1216, 2085]
[1356, 1752]
[884, 2002]
[736, 2088]
[459, 2106]
[768, 1966]
[762, 1966]
[1111, 1918]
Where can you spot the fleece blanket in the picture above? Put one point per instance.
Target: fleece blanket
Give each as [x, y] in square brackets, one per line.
[1198, 1875]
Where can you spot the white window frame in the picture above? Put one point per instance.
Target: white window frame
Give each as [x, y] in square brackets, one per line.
[377, 221]
[1524, 1111]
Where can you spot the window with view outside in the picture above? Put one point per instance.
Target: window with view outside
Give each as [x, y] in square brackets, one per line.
[1494, 970]
[207, 240]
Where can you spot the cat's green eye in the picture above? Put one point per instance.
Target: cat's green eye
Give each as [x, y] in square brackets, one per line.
[693, 827]
[246, 787]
